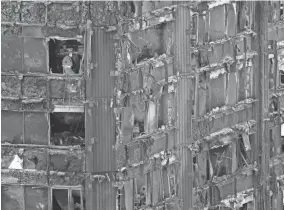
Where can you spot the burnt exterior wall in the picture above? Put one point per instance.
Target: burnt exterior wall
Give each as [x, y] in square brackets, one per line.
[182, 104]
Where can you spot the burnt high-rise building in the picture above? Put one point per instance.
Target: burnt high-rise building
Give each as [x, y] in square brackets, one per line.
[142, 105]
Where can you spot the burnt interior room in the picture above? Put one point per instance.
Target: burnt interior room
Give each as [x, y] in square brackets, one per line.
[65, 56]
[67, 128]
[60, 200]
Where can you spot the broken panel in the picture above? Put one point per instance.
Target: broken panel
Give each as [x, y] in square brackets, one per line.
[67, 91]
[151, 121]
[34, 87]
[12, 52]
[12, 197]
[67, 129]
[36, 128]
[217, 86]
[60, 160]
[35, 55]
[35, 159]
[65, 56]
[231, 89]
[139, 191]
[129, 199]
[217, 23]
[12, 127]
[231, 20]
[11, 86]
[36, 198]
[139, 107]
[127, 124]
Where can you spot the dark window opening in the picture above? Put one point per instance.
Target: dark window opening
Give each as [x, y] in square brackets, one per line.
[282, 77]
[67, 128]
[62, 201]
[243, 157]
[282, 11]
[65, 56]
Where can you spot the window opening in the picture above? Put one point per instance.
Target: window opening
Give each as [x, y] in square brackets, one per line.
[67, 128]
[282, 77]
[65, 56]
[67, 198]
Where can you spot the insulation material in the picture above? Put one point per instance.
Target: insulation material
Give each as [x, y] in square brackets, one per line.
[36, 128]
[10, 30]
[120, 156]
[37, 15]
[151, 118]
[10, 11]
[17, 163]
[10, 86]
[12, 197]
[127, 123]
[231, 89]
[128, 187]
[35, 55]
[135, 153]
[217, 23]
[12, 53]
[33, 177]
[68, 90]
[246, 141]
[62, 161]
[8, 155]
[34, 87]
[35, 159]
[10, 104]
[103, 13]
[12, 127]
[36, 198]
[66, 178]
[71, 17]
[217, 92]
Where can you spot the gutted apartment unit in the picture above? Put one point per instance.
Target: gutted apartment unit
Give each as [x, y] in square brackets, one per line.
[142, 105]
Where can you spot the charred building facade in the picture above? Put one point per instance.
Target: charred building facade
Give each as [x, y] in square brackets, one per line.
[137, 105]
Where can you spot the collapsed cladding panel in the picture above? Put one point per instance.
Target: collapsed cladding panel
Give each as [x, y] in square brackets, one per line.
[12, 197]
[12, 127]
[12, 53]
[36, 198]
[35, 55]
[36, 128]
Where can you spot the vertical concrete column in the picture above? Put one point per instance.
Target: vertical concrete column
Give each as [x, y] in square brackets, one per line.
[184, 105]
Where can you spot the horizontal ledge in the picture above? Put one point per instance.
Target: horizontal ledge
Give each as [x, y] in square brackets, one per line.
[226, 110]
[47, 75]
[76, 147]
[155, 62]
[64, 108]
